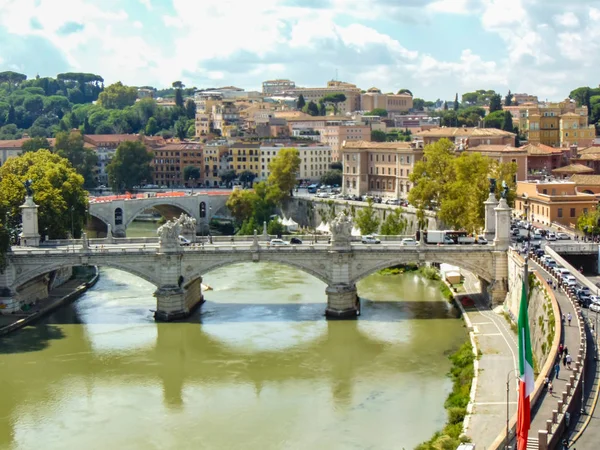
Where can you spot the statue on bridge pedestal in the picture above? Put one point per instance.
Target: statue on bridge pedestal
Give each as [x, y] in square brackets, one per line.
[188, 226]
[168, 235]
[341, 230]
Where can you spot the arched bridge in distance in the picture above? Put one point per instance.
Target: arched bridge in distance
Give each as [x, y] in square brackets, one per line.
[117, 212]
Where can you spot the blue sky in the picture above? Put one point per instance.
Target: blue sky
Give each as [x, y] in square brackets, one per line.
[433, 47]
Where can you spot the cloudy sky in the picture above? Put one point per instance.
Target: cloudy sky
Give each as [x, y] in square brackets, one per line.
[433, 47]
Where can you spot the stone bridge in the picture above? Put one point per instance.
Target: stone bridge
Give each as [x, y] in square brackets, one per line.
[177, 271]
[119, 213]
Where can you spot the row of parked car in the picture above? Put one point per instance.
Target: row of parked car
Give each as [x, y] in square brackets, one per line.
[584, 294]
[536, 233]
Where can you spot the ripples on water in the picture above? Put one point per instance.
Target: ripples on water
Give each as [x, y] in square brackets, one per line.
[257, 367]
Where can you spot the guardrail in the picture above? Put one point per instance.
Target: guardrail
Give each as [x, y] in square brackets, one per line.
[573, 248]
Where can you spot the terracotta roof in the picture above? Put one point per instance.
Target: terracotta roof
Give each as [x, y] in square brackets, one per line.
[463, 132]
[178, 146]
[592, 180]
[16, 144]
[98, 139]
[495, 148]
[570, 114]
[377, 145]
[317, 118]
[574, 168]
[290, 114]
[541, 150]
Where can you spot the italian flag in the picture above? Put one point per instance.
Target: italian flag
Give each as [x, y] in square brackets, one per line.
[526, 380]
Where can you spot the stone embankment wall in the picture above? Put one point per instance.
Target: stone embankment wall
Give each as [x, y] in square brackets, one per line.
[311, 212]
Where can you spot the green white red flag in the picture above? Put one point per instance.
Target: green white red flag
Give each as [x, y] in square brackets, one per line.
[526, 378]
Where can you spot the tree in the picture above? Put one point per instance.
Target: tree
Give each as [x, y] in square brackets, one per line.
[178, 98]
[507, 124]
[470, 98]
[336, 165]
[35, 144]
[130, 166]
[405, 91]
[378, 136]
[334, 100]
[117, 96]
[84, 160]
[495, 119]
[178, 85]
[181, 128]
[418, 104]
[276, 228]
[322, 108]
[508, 100]
[151, 127]
[367, 220]
[247, 177]
[456, 105]
[312, 108]
[589, 222]
[11, 116]
[227, 176]
[241, 204]
[445, 106]
[301, 102]
[190, 109]
[191, 173]
[284, 169]
[332, 178]
[378, 112]
[495, 103]
[394, 224]
[57, 190]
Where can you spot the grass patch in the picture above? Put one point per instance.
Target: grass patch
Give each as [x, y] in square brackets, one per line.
[462, 373]
[399, 269]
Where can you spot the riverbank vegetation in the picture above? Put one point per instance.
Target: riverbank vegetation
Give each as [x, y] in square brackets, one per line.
[462, 373]
[428, 272]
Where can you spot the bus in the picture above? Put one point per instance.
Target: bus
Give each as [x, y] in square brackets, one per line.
[312, 189]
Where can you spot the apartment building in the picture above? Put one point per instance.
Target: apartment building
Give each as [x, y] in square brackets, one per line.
[277, 87]
[525, 98]
[216, 155]
[379, 168]
[105, 146]
[315, 160]
[335, 133]
[373, 99]
[351, 92]
[202, 124]
[543, 159]
[469, 136]
[245, 156]
[169, 162]
[553, 202]
[224, 115]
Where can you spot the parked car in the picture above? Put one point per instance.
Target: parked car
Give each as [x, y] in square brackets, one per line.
[184, 241]
[278, 243]
[539, 252]
[595, 307]
[536, 235]
[584, 291]
[562, 236]
[370, 240]
[595, 300]
[515, 232]
[584, 301]
[570, 280]
[482, 240]
[409, 241]
[295, 241]
[551, 237]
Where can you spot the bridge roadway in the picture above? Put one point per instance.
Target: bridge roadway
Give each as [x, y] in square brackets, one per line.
[177, 271]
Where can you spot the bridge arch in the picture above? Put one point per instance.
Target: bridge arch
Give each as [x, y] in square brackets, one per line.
[165, 205]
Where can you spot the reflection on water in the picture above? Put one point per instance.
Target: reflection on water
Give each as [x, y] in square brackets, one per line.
[257, 367]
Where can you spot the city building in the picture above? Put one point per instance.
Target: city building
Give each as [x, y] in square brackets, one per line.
[277, 87]
[472, 137]
[11, 148]
[504, 154]
[202, 124]
[169, 162]
[216, 155]
[373, 99]
[315, 160]
[225, 115]
[105, 146]
[570, 170]
[379, 168]
[245, 156]
[415, 121]
[352, 93]
[335, 133]
[550, 202]
[525, 98]
[543, 159]
[145, 93]
[589, 157]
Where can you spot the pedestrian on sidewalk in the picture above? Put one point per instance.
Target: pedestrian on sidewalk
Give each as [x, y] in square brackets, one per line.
[569, 317]
[569, 360]
[565, 360]
[557, 369]
[560, 349]
[550, 387]
[563, 319]
[566, 350]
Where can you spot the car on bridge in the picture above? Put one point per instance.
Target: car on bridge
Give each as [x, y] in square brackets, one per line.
[278, 243]
[551, 236]
[369, 239]
[184, 241]
[295, 241]
[563, 236]
[408, 241]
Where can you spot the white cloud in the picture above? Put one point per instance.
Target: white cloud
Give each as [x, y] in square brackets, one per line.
[450, 6]
[568, 19]
[138, 24]
[147, 4]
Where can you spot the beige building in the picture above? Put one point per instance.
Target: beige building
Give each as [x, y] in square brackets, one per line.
[472, 137]
[314, 160]
[505, 154]
[336, 133]
[275, 87]
[216, 161]
[351, 92]
[379, 168]
[373, 99]
[553, 202]
[202, 124]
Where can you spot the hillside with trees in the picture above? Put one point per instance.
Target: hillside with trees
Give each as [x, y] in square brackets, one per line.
[43, 107]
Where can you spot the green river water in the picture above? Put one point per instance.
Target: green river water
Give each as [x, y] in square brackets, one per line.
[256, 367]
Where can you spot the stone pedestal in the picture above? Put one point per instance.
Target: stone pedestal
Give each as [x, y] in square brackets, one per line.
[489, 230]
[502, 232]
[174, 302]
[30, 237]
[342, 302]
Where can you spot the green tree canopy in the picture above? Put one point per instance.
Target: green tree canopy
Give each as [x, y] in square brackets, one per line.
[366, 219]
[495, 119]
[57, 190]
[227, 176]
[247, 177]
[332, 177]
[35, 144]
[508, 99]
[456, 104]
[312, 108]
[495, 103]
[378, 112]
[190, 109]
[130, 166]
[334, 100]
[300, 103]
[191, 173]
[394, 224]
[378, 136]
[84, 160]
[117, 96]
[405, 91]
[284, 169]
[336, 165]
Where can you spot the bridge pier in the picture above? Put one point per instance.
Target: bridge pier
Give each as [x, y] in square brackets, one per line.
[175, 302]
[342, 301]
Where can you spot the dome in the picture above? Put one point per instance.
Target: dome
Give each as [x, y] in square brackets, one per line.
[374, 90]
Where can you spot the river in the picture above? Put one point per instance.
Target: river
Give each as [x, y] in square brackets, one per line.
[256, 367]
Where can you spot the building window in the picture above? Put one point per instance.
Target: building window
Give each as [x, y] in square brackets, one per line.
[377, 184]
[572, 212]
[371, 184]
[560, 212]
